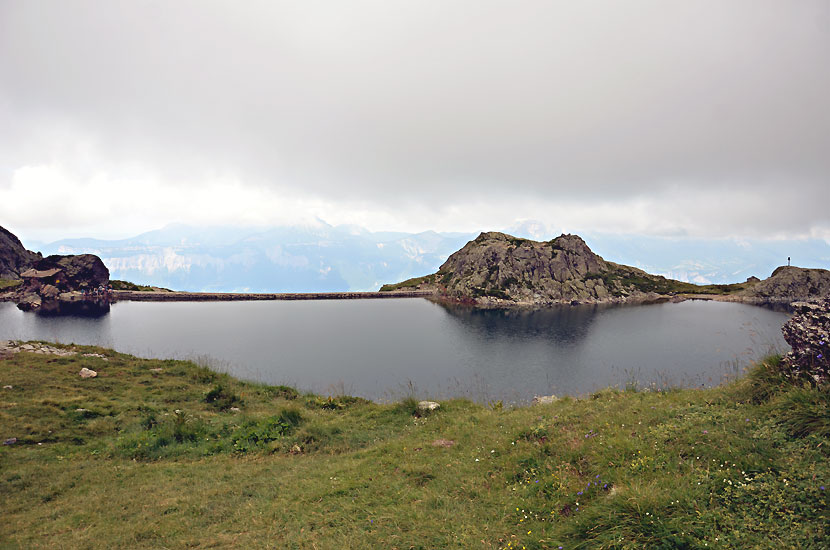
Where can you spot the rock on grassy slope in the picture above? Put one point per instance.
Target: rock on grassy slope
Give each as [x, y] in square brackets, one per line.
[498, 269]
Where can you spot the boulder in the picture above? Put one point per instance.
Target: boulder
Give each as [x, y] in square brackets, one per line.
[544, 399]
[428, 406]
[57, 284]
[77, 272]
[50, 292]
[87, 373]
[30, 302]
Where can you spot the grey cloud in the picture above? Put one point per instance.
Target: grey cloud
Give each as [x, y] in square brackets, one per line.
[433, 101]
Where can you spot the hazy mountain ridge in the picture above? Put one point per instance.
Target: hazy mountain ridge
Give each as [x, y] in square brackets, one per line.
[321, 257]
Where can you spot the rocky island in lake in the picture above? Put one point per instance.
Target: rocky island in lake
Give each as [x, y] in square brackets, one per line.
[497, 269]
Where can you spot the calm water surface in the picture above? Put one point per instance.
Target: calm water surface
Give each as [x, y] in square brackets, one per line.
[382, 349]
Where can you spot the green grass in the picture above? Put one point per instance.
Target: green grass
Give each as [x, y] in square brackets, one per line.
[6, 284]
[126, 285]
[146, 458]
[619, 279]
[409, 283]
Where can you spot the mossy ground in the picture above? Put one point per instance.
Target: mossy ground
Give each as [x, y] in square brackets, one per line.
[144, 458]
[8, 284]
[409, 283]
[127, 285]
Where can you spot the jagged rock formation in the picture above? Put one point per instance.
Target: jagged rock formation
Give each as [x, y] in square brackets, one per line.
[14, 258]
[498, 269]
[788, 283]
[808, 334]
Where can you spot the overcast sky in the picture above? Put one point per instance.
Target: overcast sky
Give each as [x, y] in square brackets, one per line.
[656, 117]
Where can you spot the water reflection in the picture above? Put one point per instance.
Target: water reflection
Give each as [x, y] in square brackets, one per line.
[87, 307]
[567, 325]
[386, 348]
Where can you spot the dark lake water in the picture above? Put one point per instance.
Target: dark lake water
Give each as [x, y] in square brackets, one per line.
[382, 349]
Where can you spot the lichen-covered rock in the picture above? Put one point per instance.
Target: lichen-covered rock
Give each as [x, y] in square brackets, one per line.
[808, 334]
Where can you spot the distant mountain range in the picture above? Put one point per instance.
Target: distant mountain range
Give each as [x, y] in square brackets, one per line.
[323, 258]
[312, 258]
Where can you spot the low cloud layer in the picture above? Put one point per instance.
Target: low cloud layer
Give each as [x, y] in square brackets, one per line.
[698, 118]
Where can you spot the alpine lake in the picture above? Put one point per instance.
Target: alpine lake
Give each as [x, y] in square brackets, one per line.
[388, 349]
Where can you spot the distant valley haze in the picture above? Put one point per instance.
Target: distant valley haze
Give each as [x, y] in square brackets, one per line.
[319, 146]
[324, 258]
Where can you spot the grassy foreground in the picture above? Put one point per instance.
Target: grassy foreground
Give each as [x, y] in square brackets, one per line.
[155, 454]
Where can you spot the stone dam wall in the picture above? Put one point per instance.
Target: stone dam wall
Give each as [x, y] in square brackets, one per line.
[129, 295]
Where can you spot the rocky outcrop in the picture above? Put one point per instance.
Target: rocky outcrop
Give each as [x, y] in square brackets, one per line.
[57, 281]
[808, 334]
[77, 272]
[14, 258]
[790, 283]
[496, 268]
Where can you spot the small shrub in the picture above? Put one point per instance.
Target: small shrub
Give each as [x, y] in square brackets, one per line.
[221, 398]
[538, 433]
[335, 403]
[284, 392]
[203, 375]
[805, 411]
[764, 380]
[409, 405]
[291, 417]
[182, 427]
[510, 281]
[257, 434]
